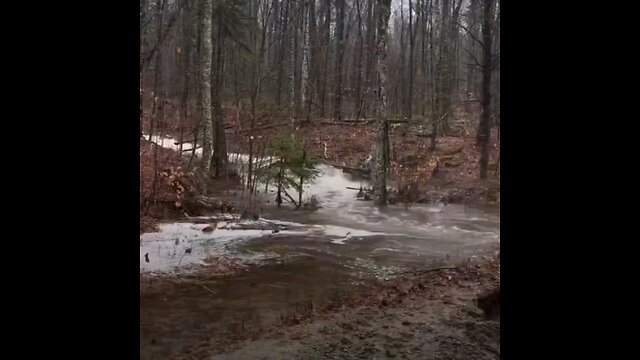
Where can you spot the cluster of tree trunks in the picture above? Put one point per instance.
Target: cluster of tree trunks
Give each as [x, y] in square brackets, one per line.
[317, 60]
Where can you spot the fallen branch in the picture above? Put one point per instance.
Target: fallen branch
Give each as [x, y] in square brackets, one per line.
[191, 149]
[291, 200]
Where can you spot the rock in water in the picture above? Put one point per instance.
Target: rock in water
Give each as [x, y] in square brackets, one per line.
[312, 205]
[208, 229]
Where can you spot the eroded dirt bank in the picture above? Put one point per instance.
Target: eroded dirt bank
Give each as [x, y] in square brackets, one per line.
[428, 315]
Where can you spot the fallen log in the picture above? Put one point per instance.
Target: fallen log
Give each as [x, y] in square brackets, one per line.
[186, 150]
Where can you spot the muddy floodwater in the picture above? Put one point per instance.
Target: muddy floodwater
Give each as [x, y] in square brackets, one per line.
[313, 256]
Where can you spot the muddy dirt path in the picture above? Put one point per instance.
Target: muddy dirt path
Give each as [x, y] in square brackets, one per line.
[431, 316]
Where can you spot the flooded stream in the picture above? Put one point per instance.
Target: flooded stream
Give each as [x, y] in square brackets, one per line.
[313, 256]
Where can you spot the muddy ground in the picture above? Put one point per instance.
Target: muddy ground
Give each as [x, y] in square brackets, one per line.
[430, 315]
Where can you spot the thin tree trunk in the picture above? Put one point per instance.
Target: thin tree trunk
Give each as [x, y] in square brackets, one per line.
[158, 92]
[205, 87]
[358, 64]
[409, 110]
[220, 158]
[432, 80]
[304, 158]
[292, 64]
[340, 37]
[403, 48]
[325, 61]
[472, 16]
[484, 131]
[372, 16]
[306, 83]
[312, 53]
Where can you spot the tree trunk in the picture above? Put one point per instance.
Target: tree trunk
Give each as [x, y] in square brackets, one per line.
[337, 105]
[403, 49]
[409, 109]
[472, 16]
[379, 174]
[299, 59]
[291, 65]
[358, 65]
[301, 190]
[220, 159]
[370, 58]
[205, 86]
[325, 60]
[188, 36]
[484, 130]
[432, 81]
[312, 58]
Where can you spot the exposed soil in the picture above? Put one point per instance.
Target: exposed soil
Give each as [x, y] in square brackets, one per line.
[428, 315]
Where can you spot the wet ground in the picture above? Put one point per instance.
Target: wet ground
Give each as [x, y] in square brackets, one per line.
[313, 257]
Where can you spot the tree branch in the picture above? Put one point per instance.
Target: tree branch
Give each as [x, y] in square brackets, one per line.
[473, 57]
[290, 198]
[471, 34]
[147, 59]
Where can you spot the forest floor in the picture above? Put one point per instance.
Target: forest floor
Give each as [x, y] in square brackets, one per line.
[449, 174]
[170, 184]
[429, 315]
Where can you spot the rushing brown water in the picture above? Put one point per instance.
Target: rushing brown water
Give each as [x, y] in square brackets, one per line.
[322, 253]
